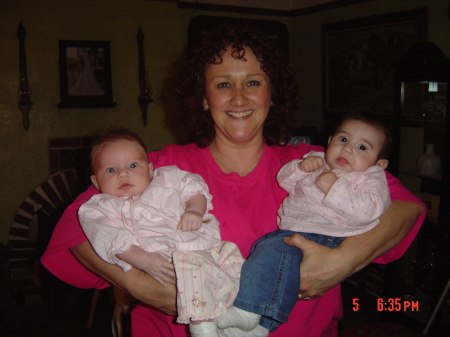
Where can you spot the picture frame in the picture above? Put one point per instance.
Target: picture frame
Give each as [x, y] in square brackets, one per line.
[431, 201]
[359, 59]
[201, 25]
[85, 74]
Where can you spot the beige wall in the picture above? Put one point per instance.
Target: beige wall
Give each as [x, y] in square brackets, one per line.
[24, 154]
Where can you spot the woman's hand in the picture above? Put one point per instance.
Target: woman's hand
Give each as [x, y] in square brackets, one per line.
[154, 264]
[323, 268]
[137, 283]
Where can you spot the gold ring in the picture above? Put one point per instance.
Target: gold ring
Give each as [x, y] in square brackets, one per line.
[300, 298]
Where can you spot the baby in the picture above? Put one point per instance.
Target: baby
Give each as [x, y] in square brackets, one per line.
[158, 221]
[332, 195]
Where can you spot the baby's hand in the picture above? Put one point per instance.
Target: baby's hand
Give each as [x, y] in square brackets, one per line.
[190, 221]
[325, 180]
[310, 164]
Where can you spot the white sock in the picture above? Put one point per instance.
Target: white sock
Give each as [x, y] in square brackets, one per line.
[238, 318]
[204, 329]
[259, 331]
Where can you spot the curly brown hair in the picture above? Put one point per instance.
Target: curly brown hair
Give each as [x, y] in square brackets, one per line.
[191, 88]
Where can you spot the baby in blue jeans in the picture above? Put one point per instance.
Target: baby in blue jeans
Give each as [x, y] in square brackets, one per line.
[332, 195]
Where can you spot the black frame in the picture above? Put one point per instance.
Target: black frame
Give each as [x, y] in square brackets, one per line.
[201, 25]
[374, 44]
[96, 90]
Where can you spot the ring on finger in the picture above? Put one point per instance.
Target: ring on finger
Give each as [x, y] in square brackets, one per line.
[300, 298]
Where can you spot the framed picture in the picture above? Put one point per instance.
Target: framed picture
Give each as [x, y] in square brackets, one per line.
[85, 74]
[432, 203]
[201, 25]
[359, 57]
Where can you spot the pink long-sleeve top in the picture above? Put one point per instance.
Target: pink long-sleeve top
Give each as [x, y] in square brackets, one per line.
[150, 220]
[352, 206]
[246, 208]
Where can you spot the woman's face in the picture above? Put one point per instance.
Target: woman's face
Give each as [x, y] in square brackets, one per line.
[238, 97]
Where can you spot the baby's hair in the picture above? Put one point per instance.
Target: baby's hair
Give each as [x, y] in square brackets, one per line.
[376, 122]
[112, 135]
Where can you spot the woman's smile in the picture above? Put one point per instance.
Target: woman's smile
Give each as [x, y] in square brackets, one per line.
[239, 114]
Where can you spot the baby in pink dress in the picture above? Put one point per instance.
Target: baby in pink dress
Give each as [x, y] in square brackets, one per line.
[158, 221]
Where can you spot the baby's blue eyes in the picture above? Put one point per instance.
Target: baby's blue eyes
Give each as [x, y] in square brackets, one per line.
[343, 139]
[362, 147]
[113, 169]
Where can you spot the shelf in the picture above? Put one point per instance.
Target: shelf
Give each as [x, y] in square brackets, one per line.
[420, 123]
[416, 173]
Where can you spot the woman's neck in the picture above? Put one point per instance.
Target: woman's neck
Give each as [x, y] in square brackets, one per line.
[239, 158]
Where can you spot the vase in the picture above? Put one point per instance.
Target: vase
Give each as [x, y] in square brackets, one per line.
[428, 162]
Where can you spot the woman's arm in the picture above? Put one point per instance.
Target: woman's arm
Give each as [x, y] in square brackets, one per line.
[136, 282]
[323, 268]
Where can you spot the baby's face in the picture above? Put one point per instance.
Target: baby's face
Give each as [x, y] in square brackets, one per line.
[355, 147]
[122, 169]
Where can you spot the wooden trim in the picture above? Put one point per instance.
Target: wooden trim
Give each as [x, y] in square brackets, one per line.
[266, 11]
[233, 9]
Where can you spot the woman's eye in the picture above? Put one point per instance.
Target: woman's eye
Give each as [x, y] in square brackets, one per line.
[343, 139]
[111, 170]
[253, 83]
[223, 85]
[133, 165]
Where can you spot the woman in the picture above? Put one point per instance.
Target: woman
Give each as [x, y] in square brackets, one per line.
[237, 96]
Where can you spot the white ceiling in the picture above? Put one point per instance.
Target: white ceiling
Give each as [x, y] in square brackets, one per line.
[285, 5]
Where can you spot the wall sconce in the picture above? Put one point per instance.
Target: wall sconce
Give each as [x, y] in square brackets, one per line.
[24, 91]
[145, 88]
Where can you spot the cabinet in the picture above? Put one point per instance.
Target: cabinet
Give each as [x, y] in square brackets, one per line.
[420, 122]
[420, 276]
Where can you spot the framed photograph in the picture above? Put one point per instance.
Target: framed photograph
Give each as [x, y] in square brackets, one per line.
[201, 25]
[85, 74]
[359, 58]
[432, 203]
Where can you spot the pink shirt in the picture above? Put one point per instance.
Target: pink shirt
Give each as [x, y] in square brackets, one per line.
[149, 220]
[246, 209]
[352, 206]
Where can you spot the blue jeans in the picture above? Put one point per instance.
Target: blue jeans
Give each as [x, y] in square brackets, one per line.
[270, 278]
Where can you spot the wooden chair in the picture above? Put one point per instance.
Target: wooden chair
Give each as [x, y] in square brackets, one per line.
[31, 230]
[124, 304]
[27, 238]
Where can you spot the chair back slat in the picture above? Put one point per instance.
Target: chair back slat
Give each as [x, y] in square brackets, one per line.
[48, 197]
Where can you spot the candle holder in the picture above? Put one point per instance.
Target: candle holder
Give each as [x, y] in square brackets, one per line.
[24, 91]
[145, 88]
